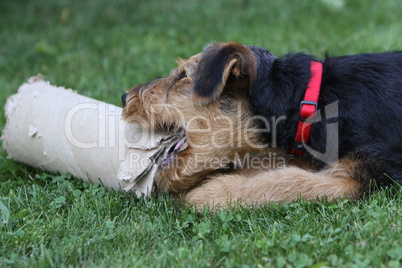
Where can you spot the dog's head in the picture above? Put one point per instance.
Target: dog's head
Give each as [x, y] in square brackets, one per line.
[206, 97]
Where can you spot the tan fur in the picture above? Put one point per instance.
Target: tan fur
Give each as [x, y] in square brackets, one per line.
[280, 185]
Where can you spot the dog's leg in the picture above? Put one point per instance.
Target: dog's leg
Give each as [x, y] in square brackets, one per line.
[281, 185]
[190, 168]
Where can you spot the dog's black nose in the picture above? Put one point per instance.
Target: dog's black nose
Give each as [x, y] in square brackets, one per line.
[123, 99]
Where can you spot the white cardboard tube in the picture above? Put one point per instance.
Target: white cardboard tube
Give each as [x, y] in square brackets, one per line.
[61, 131]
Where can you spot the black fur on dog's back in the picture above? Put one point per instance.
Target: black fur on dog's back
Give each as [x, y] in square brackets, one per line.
[368, 88]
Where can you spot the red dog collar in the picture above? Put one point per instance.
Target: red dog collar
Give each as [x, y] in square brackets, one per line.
[308, 106]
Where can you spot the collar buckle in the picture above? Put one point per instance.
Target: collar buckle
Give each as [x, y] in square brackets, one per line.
[308, 102]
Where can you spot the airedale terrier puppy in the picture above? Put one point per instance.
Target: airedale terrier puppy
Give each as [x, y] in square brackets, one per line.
[256, 128]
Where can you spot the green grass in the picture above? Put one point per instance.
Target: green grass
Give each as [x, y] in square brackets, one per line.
[101, 48]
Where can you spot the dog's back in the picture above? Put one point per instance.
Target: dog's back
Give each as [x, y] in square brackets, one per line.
[368, 88]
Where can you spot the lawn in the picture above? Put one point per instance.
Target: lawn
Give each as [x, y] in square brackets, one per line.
[102, 48]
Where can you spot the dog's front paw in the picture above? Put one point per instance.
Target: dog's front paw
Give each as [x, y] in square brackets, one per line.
[168, 179]
[177, 172]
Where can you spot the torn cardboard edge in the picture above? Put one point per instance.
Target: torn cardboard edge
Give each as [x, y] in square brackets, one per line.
[58, 130]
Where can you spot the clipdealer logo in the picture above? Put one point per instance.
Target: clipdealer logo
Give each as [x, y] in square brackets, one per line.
[108, 130]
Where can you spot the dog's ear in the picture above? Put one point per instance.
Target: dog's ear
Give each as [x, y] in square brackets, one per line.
[218, 64]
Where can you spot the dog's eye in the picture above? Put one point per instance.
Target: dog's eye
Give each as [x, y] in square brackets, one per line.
[182, 75]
